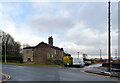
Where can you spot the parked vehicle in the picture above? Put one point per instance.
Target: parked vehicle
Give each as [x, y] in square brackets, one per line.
[88, 62]
[78, 62]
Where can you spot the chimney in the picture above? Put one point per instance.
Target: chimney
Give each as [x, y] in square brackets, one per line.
[50, 41]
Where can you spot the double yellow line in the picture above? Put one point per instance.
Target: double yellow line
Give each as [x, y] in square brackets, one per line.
[7, 77]
[95, 74]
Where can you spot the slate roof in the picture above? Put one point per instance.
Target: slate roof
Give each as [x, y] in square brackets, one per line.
[45, 44]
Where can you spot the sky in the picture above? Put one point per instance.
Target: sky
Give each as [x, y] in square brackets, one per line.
[75, 26]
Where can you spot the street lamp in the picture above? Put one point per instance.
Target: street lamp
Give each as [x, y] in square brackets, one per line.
[0, 46]
[5, 48]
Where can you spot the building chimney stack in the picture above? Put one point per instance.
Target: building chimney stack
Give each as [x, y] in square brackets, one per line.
[50, 41]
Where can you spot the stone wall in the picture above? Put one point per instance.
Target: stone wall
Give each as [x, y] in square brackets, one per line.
[41, 52]
[27, 53]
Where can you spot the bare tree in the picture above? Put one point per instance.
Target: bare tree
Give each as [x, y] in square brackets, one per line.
[84, 57]
[26, 45]
[12, 47]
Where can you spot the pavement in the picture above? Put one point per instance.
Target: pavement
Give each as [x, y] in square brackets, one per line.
[21, 73]
[99, 70]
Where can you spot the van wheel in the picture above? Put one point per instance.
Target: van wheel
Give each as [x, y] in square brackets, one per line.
[65, 65]
[78, 66]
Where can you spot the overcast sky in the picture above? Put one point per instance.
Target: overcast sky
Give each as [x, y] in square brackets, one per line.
[75, 26]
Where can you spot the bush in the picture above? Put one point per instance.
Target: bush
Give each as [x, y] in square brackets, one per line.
[67, 59]
[114, 65]
[58, 62]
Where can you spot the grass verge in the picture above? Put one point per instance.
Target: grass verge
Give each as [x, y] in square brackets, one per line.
[26, 64]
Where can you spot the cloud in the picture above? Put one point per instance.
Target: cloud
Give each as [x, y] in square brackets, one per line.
[74, 26]
[8, 25]
[83, 25]
[49, 23]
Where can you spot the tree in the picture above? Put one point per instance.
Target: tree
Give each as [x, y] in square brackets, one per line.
[12, 47]
[17, 48]
[67, 59]
[67, 54]
[26, 45]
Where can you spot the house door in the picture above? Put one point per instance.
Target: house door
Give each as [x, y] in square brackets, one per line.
[29, 59]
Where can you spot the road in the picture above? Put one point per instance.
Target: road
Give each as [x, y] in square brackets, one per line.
[94, 65]
[21, 73]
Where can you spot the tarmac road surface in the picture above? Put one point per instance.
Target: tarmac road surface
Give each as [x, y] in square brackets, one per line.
[21, 73]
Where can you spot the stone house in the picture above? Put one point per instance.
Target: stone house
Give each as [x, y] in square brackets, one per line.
[39, 54]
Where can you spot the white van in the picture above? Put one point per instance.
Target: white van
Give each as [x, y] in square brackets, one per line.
[78, 62]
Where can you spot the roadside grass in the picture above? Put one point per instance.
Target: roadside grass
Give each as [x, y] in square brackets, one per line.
[19, 64]
[27, 64]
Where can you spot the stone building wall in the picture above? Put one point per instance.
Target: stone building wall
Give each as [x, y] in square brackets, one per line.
[40, 53]
[28, 53]
[56, 54]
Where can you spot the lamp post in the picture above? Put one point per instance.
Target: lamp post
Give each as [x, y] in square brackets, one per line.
[0, 45]
[5, 48]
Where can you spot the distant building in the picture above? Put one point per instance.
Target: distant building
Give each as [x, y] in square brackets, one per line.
[39, 54]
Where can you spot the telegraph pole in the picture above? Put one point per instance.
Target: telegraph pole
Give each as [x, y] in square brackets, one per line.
[109, 40]
[78, 54]
[100, 53]
[115, 53]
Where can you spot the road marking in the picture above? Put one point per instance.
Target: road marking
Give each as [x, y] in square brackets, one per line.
[9, 68]
[7, 77]
[72, 68]
[95, 74]
[12, 68]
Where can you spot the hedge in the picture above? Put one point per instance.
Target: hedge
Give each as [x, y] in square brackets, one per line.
[11, 58]
[114, 65]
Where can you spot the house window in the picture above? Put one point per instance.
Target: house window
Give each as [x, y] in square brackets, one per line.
[55, 51]
[29, 60]
[32, 51]
[52, 56]
[27, 51]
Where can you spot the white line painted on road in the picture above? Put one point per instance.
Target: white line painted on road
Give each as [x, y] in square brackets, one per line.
[8, 68]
